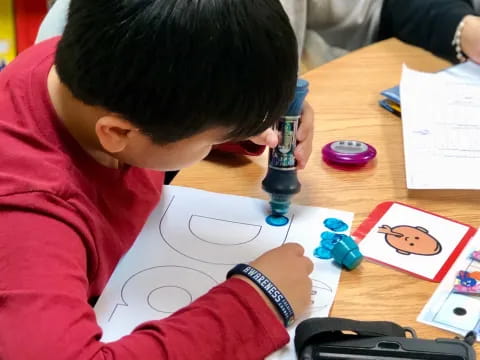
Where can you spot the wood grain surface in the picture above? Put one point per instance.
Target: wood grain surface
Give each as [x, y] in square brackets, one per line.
[344, 94]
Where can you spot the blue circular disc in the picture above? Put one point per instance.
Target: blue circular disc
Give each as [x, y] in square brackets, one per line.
[276, 220]
[328, 244]
[328, 235]
[335, 224]
[322, 253]
[329, 239]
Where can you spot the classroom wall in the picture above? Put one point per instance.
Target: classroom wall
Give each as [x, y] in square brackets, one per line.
[28, 17]
[19, 23]
[7, 32]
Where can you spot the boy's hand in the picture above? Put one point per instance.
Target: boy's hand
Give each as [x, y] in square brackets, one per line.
[267, 138]
[288, 269]
[304, 137]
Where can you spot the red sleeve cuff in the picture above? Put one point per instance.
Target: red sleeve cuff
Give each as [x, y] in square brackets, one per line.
[241, 147]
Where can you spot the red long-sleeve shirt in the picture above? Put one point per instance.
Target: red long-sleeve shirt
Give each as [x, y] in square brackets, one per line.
[65, 221]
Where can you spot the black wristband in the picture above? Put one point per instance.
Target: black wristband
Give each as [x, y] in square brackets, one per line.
[268, 288]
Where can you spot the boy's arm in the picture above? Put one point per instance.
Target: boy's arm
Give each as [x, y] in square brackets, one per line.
[430, 24]
[45, 315]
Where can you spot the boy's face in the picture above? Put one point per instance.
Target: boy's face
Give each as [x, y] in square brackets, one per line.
[174, 156]
[139, 150]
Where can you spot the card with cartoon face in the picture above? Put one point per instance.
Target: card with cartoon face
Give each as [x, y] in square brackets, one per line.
[412, 240]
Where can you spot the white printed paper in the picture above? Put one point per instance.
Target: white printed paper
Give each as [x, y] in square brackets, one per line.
[458, 313]
[189, 243]
[440, 128]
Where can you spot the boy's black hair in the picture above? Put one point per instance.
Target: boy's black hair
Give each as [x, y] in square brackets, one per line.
[178, 67]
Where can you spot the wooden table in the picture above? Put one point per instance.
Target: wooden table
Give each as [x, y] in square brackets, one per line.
[344, 94]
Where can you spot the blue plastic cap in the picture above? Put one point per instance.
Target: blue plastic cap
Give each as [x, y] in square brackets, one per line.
[352, 259]
[301, 92]
[346, 253]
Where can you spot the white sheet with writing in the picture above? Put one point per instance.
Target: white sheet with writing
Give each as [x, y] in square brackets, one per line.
[441, 128]
[189, 243]
[458, 313]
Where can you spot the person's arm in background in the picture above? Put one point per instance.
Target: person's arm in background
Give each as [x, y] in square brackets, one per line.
[297, 13]
[431, 24]
[54, 22]
[470, 40]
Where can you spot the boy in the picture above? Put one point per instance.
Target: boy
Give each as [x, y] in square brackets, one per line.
[136, 85]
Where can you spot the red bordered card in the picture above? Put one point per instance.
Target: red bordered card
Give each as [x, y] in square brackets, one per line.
[409, 239]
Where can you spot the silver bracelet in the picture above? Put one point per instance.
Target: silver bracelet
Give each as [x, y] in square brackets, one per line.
[456, 42]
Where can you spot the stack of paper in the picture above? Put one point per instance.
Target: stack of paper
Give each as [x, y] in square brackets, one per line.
[391, 100]
[441, 128]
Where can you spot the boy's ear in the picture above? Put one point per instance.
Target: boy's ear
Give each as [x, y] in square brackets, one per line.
[114, 133]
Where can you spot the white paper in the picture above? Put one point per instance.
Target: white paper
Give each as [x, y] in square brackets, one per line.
[467, 71]
[412, 240]
[442, 310]
[441, 128]
[189, 243]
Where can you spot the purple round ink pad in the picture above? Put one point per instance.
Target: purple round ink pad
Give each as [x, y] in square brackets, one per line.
[348, 152]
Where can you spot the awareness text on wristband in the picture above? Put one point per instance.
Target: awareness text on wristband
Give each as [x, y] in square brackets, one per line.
[268, 288]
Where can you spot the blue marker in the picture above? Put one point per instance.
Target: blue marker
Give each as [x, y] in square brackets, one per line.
[281, 181]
